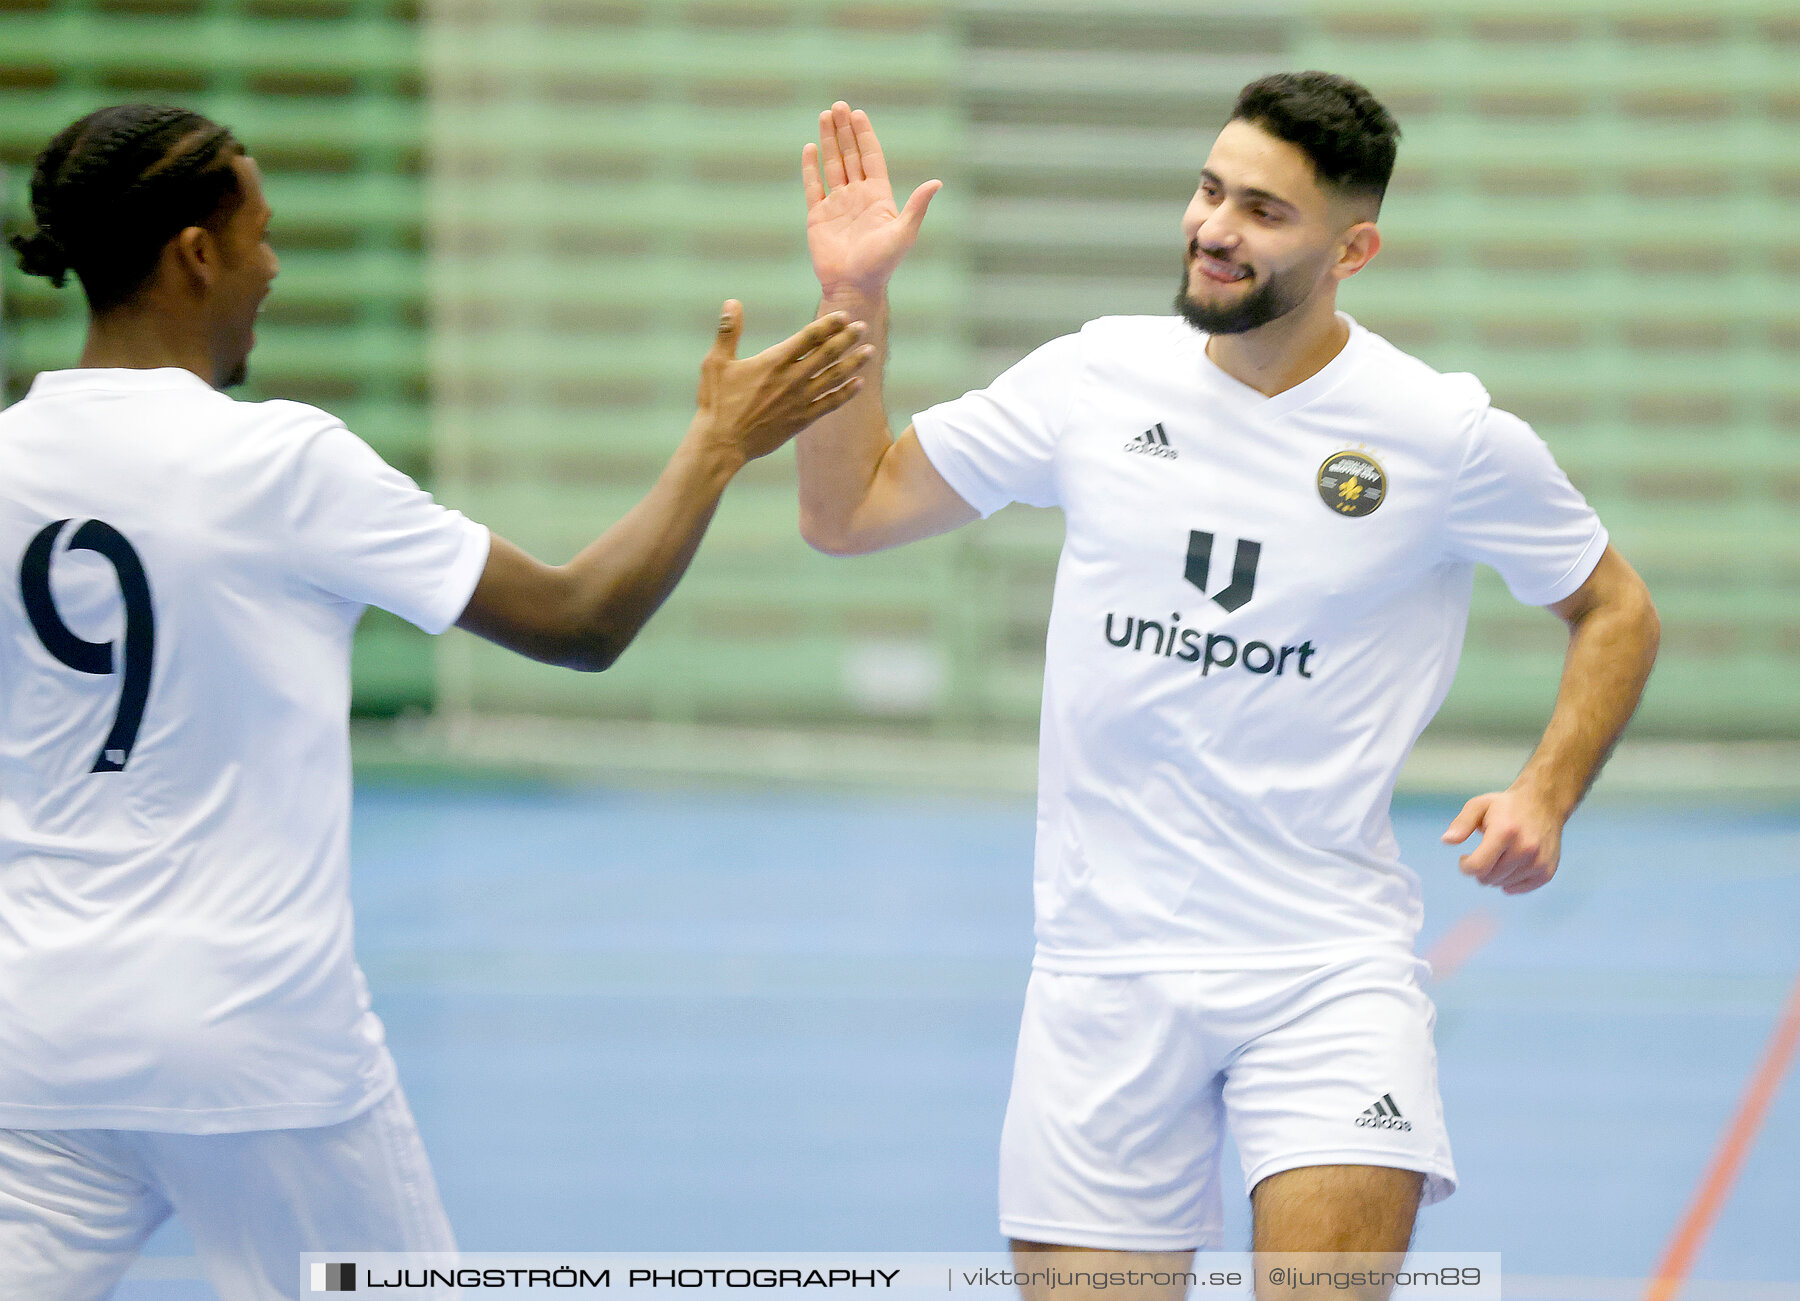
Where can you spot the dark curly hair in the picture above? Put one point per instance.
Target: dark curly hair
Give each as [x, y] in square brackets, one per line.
[1350, 138]
[114, 187]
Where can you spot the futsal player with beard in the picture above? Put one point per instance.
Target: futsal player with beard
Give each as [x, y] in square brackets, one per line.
[1273, 516]
[183, 1025]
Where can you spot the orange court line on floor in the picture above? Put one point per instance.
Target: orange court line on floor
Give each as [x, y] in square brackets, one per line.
[1458, 944]
[1740, 1136]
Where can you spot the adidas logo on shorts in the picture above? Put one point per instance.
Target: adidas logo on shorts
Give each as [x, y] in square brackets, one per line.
[1383, 1114]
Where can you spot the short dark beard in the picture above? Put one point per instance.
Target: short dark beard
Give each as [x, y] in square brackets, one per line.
[1265, 303]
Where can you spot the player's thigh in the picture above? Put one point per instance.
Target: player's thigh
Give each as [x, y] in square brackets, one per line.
[1332, 1208]
[1113, 1129]
[255, 1201]
[1048, 1272]
[1345, 1076]
[74, 1209]
[1337, 1232]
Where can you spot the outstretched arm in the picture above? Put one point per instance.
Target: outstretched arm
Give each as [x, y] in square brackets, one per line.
[1613, 635]
[583, 614]
[860, 489]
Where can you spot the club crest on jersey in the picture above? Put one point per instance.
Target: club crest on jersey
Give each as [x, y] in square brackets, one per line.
[1352, 483]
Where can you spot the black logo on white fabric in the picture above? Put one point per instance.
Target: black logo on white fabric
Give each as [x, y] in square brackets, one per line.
[1383, 1114]
[1154, 441]
[1243, 569]
[1212, 650]
[1352, 484]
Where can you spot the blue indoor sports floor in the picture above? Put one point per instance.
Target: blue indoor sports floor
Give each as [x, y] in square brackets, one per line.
[779, 1021]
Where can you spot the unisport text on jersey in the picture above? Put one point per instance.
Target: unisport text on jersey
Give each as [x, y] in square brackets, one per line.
[1210, 650]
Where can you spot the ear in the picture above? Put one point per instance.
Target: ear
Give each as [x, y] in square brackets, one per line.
[195, 252]
[1360, 243]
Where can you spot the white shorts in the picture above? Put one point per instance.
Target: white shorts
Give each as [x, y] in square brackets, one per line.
[1124, 1085]
[76, 1204]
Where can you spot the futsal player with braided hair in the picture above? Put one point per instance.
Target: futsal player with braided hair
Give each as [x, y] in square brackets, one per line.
[183, 1025]
[1272, 516]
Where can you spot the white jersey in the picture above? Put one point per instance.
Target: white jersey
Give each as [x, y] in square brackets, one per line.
[180, 576]
[1259, 606]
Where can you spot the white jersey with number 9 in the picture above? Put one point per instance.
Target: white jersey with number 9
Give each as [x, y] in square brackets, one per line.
[180, 578]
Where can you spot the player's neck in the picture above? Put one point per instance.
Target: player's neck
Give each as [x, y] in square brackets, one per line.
[135, 340]
[1273, 358]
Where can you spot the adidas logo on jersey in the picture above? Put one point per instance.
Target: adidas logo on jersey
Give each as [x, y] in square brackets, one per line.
[1383, 1114]
[1154, 441]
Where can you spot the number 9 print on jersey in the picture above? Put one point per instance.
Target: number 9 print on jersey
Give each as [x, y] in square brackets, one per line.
[97, 657]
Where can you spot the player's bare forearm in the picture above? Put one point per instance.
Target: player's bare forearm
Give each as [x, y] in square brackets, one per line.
[839, 457]
[860, 488]
[1613, 635]
[583, 614]
[622, 578]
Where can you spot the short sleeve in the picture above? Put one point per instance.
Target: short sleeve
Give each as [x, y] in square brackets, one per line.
[998, 444]
[1513, 508]
[364, 532]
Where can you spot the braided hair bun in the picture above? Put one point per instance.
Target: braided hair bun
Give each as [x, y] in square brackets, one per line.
[40, 255]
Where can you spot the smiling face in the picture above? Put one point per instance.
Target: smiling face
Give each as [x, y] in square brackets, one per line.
[247, 265]
[1264, 237]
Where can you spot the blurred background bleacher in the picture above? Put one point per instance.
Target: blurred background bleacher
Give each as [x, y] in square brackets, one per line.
[506, 228]
[329, 96]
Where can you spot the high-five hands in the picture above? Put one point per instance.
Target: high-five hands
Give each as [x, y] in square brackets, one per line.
[853, 230]
[755, 405]
[1521, 840]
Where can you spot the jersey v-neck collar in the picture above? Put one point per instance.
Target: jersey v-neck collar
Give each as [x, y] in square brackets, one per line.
[1307, 390]
[115, 379]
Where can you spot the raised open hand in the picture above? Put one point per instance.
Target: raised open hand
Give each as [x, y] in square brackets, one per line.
[855, 234]
[756, 404]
